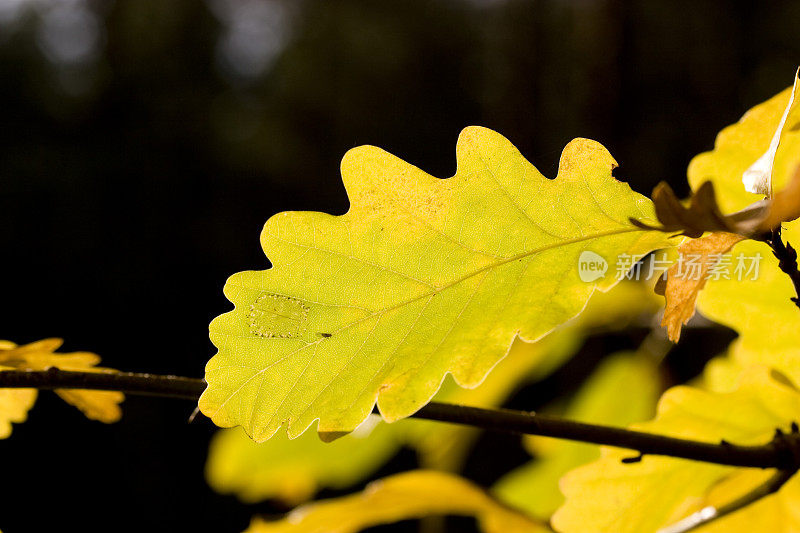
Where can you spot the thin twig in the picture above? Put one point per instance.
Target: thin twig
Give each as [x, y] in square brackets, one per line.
[127, 382]
[787, 261]
[780, 453]
[711, 513]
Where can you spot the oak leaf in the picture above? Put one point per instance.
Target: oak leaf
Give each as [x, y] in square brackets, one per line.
[14, 406]
[40, 355]
[293, 471]
[415, 494]
[776, 513]
[682, 284]
[610, 496]
[419, 278]
[739, 145]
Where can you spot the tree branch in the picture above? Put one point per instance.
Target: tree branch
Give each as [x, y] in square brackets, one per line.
[787, 261]
[781, 452]
[127, 382]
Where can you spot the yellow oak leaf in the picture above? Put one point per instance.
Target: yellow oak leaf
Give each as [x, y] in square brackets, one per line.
[40, 355]
[420, 278]
[721, 374]
[293, 471]
[609, 496]
[415, 494]
[533, 487]
[14, 406]
[96, 405]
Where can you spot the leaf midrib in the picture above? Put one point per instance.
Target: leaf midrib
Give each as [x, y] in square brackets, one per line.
[484, 268]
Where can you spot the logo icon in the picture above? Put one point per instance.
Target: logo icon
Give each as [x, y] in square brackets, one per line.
[591, 266]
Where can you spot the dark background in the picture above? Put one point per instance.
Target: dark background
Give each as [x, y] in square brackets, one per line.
[144, 143]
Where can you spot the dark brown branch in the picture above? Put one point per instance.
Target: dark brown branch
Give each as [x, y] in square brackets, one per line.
[787, 261]
[127, 382]
[781, 452]
[776, 454]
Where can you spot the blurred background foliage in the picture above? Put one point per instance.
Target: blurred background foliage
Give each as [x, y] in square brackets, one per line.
[144, 143]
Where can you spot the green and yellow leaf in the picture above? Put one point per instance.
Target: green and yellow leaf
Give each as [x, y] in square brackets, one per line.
[415, 494]
[420, 278]
[293, 471]
[609, 496]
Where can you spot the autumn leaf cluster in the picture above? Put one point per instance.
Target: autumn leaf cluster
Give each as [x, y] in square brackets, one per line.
[41, 355]
[464, 290]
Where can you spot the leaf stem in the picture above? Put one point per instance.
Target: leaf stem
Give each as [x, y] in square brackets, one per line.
[782, 452]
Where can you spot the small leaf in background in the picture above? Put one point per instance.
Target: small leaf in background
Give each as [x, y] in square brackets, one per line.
[682, 285]
[415, 494]
[610, 496]
[14, 406]
[533, 487]
[292, 471]
[97, 405]
[419, 278]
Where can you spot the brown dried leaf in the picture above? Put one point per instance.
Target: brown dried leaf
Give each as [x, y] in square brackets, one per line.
[681, 288]
[703, 213]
